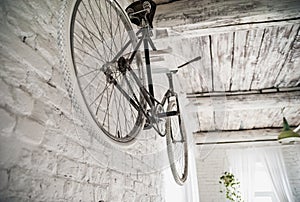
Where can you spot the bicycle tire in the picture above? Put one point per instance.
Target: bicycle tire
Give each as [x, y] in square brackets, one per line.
[92, 33]
[175, 128]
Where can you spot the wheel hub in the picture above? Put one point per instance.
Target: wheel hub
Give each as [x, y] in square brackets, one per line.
[123, 65]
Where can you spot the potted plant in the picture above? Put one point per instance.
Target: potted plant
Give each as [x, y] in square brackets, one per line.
[230, 187]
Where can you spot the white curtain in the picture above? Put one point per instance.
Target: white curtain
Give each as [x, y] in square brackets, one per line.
[274, 162]
[242, 165]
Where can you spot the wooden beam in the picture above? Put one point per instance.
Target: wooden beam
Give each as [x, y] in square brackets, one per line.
[210, 13]
[245, 111]
[253, 135]
[196, 30]
[242, 93]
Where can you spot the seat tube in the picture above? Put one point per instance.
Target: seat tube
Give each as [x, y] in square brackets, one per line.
[148, 66]
[170, 79]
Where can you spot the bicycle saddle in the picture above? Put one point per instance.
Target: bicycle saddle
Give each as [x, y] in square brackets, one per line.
[141, 12]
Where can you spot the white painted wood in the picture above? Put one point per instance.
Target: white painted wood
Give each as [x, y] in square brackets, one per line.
[273, 54]
[246, 48]
[198, 74]
[290, 73]
[241, 60]
[231, 136]
[246, 111]
[221, 56]
[211, 13]
[196, 30]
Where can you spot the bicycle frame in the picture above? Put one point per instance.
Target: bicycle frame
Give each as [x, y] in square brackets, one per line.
[148, 95]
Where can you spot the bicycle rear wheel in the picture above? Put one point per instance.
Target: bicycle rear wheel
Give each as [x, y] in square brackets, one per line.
[177, 144]
[100, 33]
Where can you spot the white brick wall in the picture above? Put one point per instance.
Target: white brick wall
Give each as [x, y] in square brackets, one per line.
[41, 158]
[292, 160]
[211, 162]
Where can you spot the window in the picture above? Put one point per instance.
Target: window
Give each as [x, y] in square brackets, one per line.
[263, 188]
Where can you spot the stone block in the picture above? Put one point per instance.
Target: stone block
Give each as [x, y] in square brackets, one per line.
[54, 140]
[73, 149]
[10, 151]
[12, 71]
[57, 77]
[101, 194]
[3, 179]
[14, 198]
[30, 130]
[67, 168]
[20, 180]
[40, 111]
[23, 102]
[83, 173]
[43, 162]
[36, 85]
[129, 195]
[100, 176]
[83, 192]
[54, 189]
[7, 122]
[5, 93]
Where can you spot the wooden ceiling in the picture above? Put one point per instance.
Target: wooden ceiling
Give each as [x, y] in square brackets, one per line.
[250, 66]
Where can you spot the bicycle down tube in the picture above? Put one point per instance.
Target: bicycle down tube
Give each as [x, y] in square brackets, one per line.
[123, 63]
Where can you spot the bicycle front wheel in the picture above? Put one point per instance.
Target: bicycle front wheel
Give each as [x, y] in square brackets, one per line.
[177, 144]
[100, 34]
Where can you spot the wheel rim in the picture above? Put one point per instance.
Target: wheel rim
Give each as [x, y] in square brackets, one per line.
[177, 150]
[98, 31]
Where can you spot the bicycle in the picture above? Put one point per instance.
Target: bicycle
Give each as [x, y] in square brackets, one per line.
[98, 41]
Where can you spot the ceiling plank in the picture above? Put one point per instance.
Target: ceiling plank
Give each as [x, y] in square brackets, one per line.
[196, 76]
[221, 53]
[290, 73]
[246, 50]
[274, 51]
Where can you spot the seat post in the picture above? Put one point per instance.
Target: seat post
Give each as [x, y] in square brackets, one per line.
[170, 80]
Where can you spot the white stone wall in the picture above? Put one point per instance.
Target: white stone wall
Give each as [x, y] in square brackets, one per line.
[41, 158]
[211, 162]
[292, 161]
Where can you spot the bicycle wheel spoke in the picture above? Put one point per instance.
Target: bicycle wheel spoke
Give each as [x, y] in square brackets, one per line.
[105, 22]
[88, 73]
[106, 115]
[77, 37]
[86, 53]
[92, 16]
[97, 97]
[118, 120]
[92, 36]
[107, 85]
